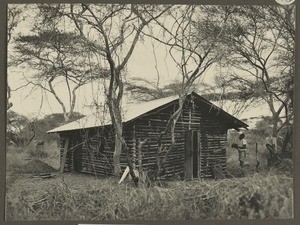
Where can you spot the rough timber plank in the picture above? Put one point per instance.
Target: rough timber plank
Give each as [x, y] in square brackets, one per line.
[64, 155]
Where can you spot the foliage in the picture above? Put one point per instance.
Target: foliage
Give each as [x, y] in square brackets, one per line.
[16, 124]
[22, 130]
[263, 130]
[142, 90]
[263, 127]
[52, 121]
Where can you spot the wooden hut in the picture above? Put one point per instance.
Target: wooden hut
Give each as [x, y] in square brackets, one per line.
[201, 136]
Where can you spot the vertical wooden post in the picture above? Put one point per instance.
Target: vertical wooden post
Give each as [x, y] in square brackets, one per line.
[134, 148]
[63, 162]
[139, 152]
[199, 153]
[140, 155]
[190, 119]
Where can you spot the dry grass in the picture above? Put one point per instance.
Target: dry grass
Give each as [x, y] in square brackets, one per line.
[80, 197]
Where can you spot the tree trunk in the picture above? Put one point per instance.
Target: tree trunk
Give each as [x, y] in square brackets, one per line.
[130, 165]
[9, 104]
[275, 132]
[117, 156]
[288, 139]
[66, 117]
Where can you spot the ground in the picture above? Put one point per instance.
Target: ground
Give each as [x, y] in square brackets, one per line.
[268, 194]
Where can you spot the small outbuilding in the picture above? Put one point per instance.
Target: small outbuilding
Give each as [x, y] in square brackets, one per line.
[87, 145]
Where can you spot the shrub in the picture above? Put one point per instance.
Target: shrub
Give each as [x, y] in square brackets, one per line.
[15, 160]
[30, 160]
[39, 153]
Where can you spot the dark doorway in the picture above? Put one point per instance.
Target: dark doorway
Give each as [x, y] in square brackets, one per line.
[195, 154]
[192, 150]
[77, 159]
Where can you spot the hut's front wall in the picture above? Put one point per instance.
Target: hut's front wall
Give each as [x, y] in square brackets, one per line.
[212, 139]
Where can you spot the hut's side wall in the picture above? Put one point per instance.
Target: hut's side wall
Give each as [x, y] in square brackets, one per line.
[94, 148]
[97, 151]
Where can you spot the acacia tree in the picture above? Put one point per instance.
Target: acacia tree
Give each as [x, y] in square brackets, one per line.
[141, 89]
[14, 16]
[260, 49]
[53, 56]
[115, 30]
[283, 19]
[14, 130]
[193, 51]
[58, 56]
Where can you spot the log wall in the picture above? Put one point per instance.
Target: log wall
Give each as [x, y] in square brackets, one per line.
[95, 151]
[97, 144]
[213, 135]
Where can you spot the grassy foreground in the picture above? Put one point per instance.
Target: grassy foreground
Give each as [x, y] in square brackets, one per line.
[67, 196]
[80, 197]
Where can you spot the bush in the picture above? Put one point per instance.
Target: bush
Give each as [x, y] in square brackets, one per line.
[16, 158]
[39, 153]
[19, 158]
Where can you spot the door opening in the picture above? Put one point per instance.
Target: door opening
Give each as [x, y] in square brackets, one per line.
[192, 154]
[195, 155]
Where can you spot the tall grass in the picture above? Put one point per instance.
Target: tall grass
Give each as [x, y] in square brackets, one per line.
[77, 197]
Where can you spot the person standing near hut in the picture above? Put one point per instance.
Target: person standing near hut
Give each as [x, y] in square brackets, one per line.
[241, 146]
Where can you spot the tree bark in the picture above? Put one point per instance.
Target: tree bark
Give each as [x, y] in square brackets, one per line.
[275, 132]
[129, 162]
[286, 152]
[117, 156]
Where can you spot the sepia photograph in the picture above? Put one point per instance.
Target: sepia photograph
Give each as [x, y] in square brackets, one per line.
[146, 112]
